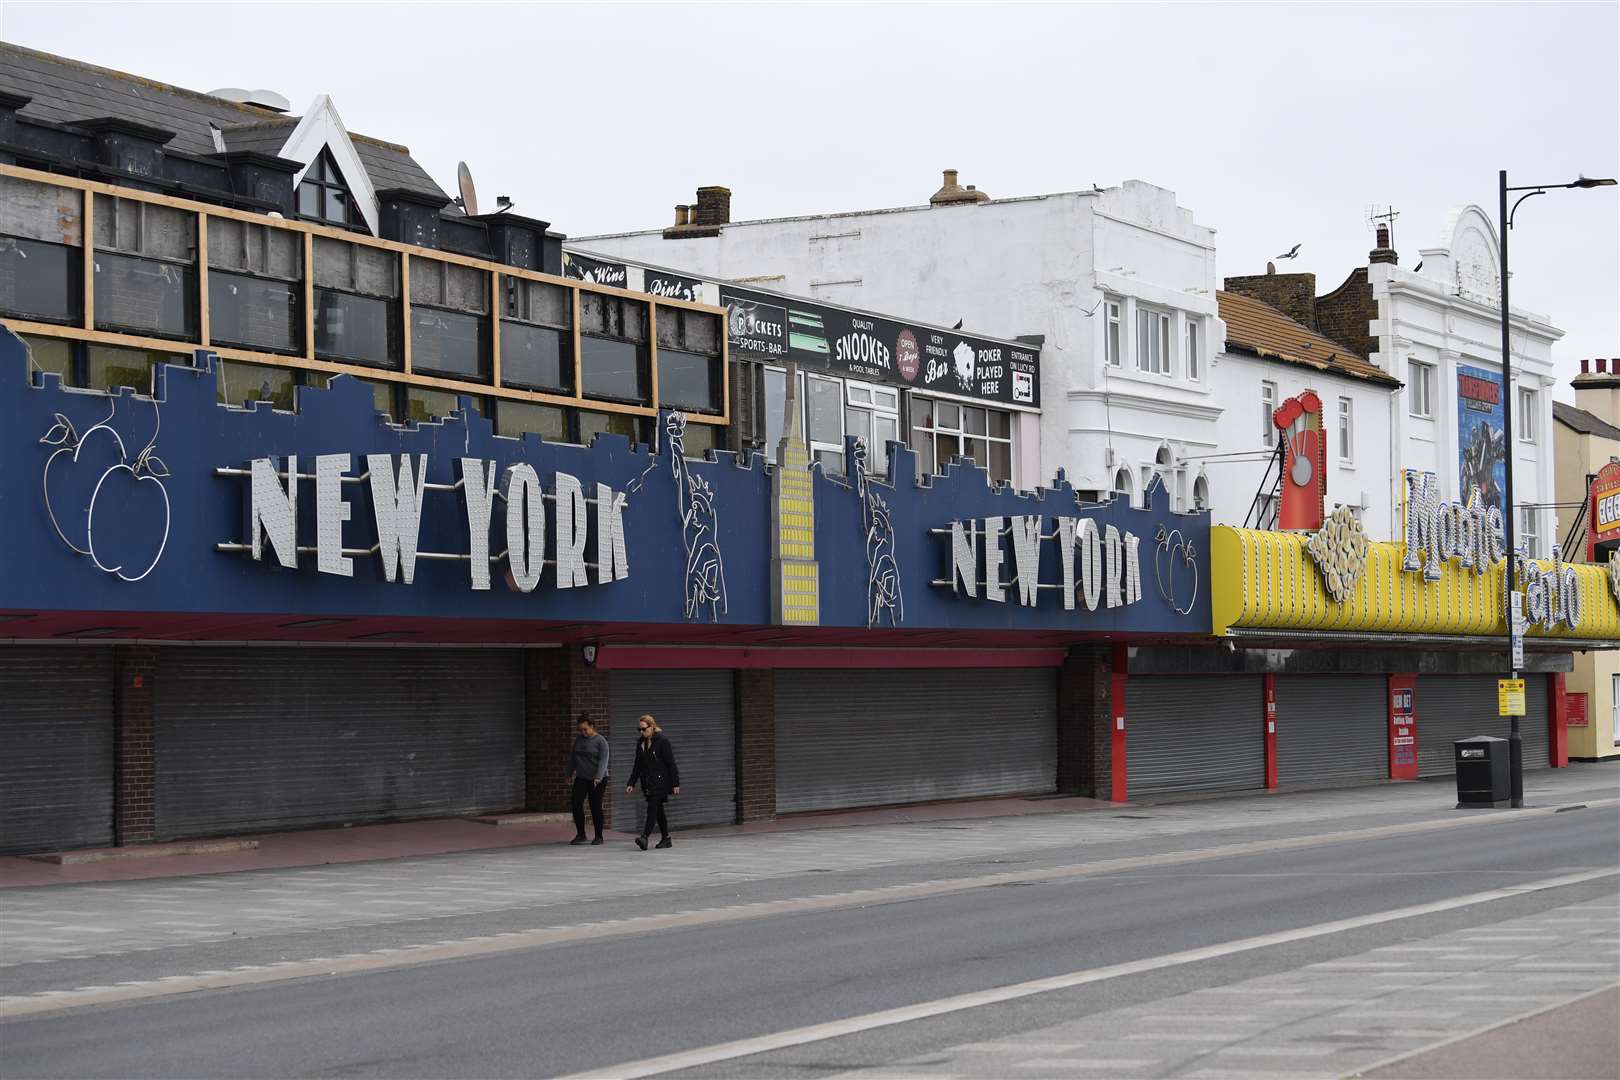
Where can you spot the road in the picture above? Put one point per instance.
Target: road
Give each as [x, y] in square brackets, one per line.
[1317, 947]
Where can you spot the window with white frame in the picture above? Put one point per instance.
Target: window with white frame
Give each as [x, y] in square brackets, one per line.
[941, 430]
[1530, 531]
[1527, 414]
[1347, 446]
[1268, 408]
[1152, 341]
[1195, 354]
[872, 413]
[1420, 388]
[824, 422]
[1113, 331]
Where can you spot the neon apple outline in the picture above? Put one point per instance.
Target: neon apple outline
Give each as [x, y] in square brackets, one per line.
[66, 439]
[147, 468]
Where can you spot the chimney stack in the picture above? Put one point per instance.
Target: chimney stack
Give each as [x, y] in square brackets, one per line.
[713, 206]
[951, 193]
[1602, 365]
[1586, 366]
[1383, 253]
[681, 212]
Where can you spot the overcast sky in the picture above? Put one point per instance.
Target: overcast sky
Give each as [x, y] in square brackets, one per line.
[1275, 124]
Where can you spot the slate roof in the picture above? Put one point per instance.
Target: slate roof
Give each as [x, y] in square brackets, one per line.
[1584, 422]
[65, 91]
[1253, 326]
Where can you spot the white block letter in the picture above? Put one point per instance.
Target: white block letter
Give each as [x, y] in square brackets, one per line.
[330, 514]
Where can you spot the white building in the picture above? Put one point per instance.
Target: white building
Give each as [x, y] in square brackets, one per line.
[1269, 358]
[1436, 329]
[1437, 323]
[1121, 286]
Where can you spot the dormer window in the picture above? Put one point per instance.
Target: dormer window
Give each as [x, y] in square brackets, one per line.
[323, 196]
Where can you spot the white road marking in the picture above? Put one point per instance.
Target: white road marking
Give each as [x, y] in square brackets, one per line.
[382, 959]
[710, 1055]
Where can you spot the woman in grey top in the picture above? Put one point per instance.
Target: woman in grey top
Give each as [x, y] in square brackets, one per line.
[588, 765]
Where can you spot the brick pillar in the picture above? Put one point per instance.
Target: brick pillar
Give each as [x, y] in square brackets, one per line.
[134, 763]
[1084, 750]
[558, 686]
[756, 745]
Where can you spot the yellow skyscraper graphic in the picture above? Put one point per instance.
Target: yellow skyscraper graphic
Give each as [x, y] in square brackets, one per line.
[796, 598]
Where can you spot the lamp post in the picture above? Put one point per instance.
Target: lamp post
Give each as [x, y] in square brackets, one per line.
[1505, 223]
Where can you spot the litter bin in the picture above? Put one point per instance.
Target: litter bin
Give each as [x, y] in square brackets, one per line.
[1482, 772]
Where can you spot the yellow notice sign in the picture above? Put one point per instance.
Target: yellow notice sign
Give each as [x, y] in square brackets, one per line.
[1509, 697]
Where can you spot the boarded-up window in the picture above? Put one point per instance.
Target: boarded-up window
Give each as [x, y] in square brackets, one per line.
[255, 286]
[41, 251]
[145, 268]
[356, 303]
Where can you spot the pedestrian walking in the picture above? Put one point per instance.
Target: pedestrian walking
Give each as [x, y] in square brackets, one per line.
[588, 765]
[655, 769]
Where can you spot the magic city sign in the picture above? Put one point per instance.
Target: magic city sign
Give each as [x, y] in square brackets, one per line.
[1472, 535]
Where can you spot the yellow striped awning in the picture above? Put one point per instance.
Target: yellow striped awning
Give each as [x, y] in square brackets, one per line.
[1267, 580]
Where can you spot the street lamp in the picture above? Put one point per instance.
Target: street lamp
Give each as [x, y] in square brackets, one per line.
[1505, 222]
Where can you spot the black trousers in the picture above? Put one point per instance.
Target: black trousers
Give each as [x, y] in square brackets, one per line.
[655, 812]
[587, 789]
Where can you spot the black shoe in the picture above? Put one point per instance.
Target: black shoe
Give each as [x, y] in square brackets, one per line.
[641, 842]
[666, 842]
[598, 840]
[580, 839]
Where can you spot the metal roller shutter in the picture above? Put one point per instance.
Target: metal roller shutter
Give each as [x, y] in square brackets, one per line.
[1533, 728]
[697, 710]
[277, 738]
[56, 749]
[1189, 733]
[872, 738]
[1452, 707]
[1332, 729]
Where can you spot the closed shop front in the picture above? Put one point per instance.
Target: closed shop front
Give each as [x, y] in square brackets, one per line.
[697, 710]
[1194, 733]
[870, 738]
[56, 748]
[1452, 707]
[252, 739]
[1332, 729]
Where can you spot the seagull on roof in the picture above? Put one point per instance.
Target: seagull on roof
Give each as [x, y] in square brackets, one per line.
[958, 325]
[1293, 253]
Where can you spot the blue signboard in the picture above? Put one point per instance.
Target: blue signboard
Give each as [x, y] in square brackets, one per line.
[1481, 438]
[176, 504]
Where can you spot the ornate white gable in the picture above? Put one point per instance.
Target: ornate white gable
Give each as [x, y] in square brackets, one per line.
[1472, 241]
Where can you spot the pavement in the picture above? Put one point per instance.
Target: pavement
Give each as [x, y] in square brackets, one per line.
[1574, 1040]
[1298, 935]
[372, 843]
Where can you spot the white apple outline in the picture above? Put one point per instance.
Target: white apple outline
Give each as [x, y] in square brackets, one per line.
[67, 433]
[144, 472]
[148, 467]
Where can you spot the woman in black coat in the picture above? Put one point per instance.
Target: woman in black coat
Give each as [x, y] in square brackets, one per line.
[655, 769]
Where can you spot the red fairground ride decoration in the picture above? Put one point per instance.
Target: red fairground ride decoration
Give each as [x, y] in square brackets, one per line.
[1304, 479]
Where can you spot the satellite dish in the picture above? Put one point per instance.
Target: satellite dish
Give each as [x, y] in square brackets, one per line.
[469, 194]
